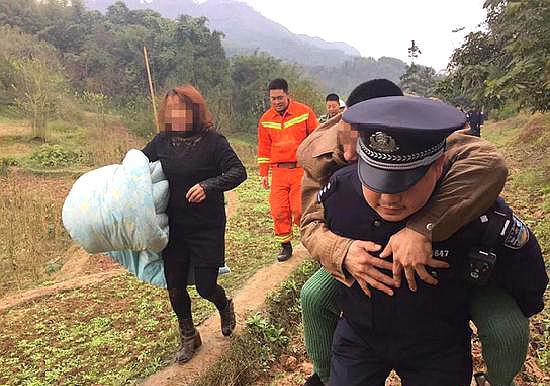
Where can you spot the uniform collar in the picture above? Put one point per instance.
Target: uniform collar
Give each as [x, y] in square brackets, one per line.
[290, 110]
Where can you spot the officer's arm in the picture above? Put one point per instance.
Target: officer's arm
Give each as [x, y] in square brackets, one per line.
[519, 267]
[476, 175]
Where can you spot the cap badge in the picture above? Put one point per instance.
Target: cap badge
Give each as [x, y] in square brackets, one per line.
[382, 142]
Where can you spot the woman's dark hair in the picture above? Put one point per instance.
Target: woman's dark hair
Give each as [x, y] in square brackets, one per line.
[190, 96]
[374, 88]
[278, 84]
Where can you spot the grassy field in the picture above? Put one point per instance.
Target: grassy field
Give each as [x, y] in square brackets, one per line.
[119, 330]
[114, 331]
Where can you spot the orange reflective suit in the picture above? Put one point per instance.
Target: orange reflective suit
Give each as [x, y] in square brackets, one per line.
[278, 139]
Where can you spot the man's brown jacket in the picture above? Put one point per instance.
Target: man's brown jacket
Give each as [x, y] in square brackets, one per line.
[474, 175]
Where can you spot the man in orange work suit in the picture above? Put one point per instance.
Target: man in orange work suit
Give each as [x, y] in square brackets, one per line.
[280, 131]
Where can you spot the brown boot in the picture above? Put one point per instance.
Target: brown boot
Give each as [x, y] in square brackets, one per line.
[190, 341]
[227, 317]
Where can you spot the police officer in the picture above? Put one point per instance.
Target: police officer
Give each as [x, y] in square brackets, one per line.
[475, 119]
[423, 335]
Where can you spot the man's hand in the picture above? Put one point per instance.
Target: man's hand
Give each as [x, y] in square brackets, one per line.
[265, 182]
[412, 252]
[365, 268]
[347, 137]
[196, 194]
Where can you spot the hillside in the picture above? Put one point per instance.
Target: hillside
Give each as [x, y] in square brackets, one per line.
[337, 66]
[246, 30]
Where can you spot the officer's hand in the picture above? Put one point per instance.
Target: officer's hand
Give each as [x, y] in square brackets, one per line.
[412, 252]
[196, 194]
[365, 268]
[265, 182]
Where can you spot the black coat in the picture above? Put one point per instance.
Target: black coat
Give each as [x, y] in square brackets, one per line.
[190, 158]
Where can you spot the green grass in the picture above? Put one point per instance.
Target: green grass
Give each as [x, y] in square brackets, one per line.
[524, 140]
[114, 331]
[265, 338]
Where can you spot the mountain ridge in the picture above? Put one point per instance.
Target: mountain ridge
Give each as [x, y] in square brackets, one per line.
[337, 66]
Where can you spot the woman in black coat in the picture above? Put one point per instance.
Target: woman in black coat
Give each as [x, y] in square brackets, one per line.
[200, 165]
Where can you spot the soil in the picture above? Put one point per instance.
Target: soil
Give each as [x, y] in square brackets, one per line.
[249, 299]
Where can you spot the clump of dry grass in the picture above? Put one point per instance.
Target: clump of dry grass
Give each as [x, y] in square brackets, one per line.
[108, 144]
[31, 232]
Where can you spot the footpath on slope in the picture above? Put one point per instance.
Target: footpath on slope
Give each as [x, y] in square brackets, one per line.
[73, 275]
[247, 300]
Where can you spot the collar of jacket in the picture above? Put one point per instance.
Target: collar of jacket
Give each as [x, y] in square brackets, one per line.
[290, 110]
[323, 142]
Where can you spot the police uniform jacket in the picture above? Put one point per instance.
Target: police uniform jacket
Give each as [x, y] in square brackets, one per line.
[476, 173]
[433, 312]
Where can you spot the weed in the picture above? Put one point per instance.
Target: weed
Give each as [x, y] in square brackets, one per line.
[54, 156]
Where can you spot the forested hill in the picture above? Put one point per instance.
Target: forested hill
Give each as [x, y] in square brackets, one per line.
[337, 66]
[246, 30]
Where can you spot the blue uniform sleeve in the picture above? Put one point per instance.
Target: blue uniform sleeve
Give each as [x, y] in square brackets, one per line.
[520, 267]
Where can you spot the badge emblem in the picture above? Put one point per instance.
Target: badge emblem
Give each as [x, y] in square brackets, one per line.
[382, 142]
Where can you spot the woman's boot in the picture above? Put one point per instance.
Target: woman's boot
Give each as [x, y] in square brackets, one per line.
[227, 317]
[190, 340]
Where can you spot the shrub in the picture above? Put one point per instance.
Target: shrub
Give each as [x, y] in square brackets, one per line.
[54, 156]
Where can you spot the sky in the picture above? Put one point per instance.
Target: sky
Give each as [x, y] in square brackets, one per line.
[381, 27]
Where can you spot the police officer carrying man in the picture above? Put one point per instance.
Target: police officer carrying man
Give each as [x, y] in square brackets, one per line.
[423, 335]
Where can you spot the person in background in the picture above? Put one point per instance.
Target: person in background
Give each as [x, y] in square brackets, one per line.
[333, 107]
[200, 165]
[281, 129]
[476, 119]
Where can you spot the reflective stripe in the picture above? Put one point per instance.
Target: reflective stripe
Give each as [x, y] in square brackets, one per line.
[296, 120]
[263, 160]
[283, 238]
[287, 124]
[271, 125]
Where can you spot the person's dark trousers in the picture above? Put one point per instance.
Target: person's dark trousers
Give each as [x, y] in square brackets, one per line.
[366, 360]
[475, 129]
[176, 270]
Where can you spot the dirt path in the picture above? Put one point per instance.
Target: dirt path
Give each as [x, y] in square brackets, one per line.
[74, 273]
[248, 299]
[16, 299]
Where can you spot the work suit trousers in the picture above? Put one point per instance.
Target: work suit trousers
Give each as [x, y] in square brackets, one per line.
[285, 200]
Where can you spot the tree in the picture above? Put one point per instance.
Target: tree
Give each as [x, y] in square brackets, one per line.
[418, 80]
[250, 77]
[33, 78]
[509, 59]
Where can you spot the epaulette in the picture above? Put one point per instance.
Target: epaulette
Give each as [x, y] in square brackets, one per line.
[326, 191]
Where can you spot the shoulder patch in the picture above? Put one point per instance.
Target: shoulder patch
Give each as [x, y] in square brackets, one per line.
[517, 235]
[326, 191]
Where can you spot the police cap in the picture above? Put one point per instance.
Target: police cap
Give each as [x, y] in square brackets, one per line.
[400, 137]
